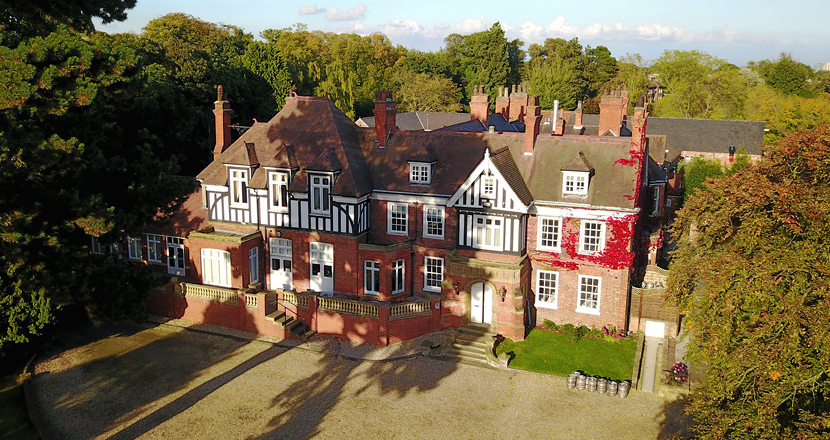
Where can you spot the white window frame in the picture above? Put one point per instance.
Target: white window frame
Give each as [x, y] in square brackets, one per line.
[116, 249]
[155, 250]
[584, 246]
[420, 173]
[216, 267]
[393, 226]
[433, 273]
[547, 288]
[277, 191]
[435, 225]
[319, 189]
[253, 265]
[281, 250]
[488, 187]
[133, 248]
[582, 296]
[491, 245]
[177, 244]
[575, 182]
[656, 199]
[96, 247]
[549, 233]
[398, 276]
[238, 187]
[371, 272]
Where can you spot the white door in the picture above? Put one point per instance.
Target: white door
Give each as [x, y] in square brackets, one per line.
[322, 267]
[281, 265]
[175, 256]
[481, 303]
[656, 329]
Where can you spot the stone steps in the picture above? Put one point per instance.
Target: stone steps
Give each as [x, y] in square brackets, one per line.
[291, 325]
[471, 344]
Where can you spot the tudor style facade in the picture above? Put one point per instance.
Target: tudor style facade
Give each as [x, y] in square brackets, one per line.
[380, 234]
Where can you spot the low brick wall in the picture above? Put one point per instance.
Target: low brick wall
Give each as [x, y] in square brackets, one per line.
[246, 310]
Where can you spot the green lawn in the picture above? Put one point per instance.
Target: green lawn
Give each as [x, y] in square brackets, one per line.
[14, 420]
[553, 353]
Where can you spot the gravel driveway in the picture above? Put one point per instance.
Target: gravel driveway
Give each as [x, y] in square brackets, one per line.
[164, 382]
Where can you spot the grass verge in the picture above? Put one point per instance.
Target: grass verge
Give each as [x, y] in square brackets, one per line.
[553, 353]
[14, 420]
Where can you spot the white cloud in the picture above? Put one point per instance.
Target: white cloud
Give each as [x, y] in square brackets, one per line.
[531, 32]
[311, 10]
[356, 13]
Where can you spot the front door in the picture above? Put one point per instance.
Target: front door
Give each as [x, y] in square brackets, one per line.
[175, 256]
[322, 267]
[281, 265]
[481, 303]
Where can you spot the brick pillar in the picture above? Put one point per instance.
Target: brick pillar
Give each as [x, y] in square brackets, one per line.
[383, 325]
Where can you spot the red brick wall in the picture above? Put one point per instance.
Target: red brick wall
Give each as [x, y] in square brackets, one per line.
[240, 273]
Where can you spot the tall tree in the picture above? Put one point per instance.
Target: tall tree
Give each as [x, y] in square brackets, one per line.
[75, 161]
[751, 273]
[698, 86]
[423, 92]
[485, 58]
[23, 19]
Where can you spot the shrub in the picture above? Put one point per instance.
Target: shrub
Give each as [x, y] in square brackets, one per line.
[550, 325]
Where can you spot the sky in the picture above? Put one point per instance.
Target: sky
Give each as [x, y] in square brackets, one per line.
[738, 31]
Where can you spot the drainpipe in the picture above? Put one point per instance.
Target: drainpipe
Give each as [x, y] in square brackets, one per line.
[412, 255]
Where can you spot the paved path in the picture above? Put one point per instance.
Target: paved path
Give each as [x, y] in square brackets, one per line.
[166, 382]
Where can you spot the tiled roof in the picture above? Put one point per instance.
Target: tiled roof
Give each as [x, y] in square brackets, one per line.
[308, 133]
[707, 135]
[422, 120]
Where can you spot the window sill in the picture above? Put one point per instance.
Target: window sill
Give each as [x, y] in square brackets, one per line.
[239, 206]
[558, 250]
[545, 305]
[434, 237]
[587, 311]
[278, 209]
[432, 289]
[400, 234]
[321, 214]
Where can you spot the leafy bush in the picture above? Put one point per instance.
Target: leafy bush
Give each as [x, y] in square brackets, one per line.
[550, 325]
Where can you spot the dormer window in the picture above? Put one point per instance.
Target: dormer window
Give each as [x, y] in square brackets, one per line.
[277, 191]
[320, 194]
[420, 173]
[238, 184]
[575, 182]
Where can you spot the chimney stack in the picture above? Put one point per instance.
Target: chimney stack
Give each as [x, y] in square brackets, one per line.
[532, 120]
[503, 102]
[385, 113]
[613, 109]
[222, 121]
[518, 104]
[578, 117]
[638, 128]
[480, 105]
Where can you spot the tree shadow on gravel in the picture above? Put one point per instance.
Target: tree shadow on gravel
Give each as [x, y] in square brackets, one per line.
[118, 373]
[674, 423]
[303, 406]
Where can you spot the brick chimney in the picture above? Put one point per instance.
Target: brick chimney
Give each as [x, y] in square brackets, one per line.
[503, 102]
[385, 113]
[638, 127]
[532, 120]
[518, 104]
[222, 120]
[612, 111]
[578, 117]
[480, 105]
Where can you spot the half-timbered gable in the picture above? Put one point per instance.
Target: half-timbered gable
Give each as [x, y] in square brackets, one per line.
[491, 205]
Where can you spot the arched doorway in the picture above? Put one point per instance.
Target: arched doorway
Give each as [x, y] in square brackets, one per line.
[481, 303]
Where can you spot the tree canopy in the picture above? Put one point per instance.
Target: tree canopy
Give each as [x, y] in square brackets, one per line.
[751, 273]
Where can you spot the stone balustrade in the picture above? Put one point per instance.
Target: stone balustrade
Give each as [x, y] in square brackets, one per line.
[210, 293]
[407, 309]
[348, 307]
